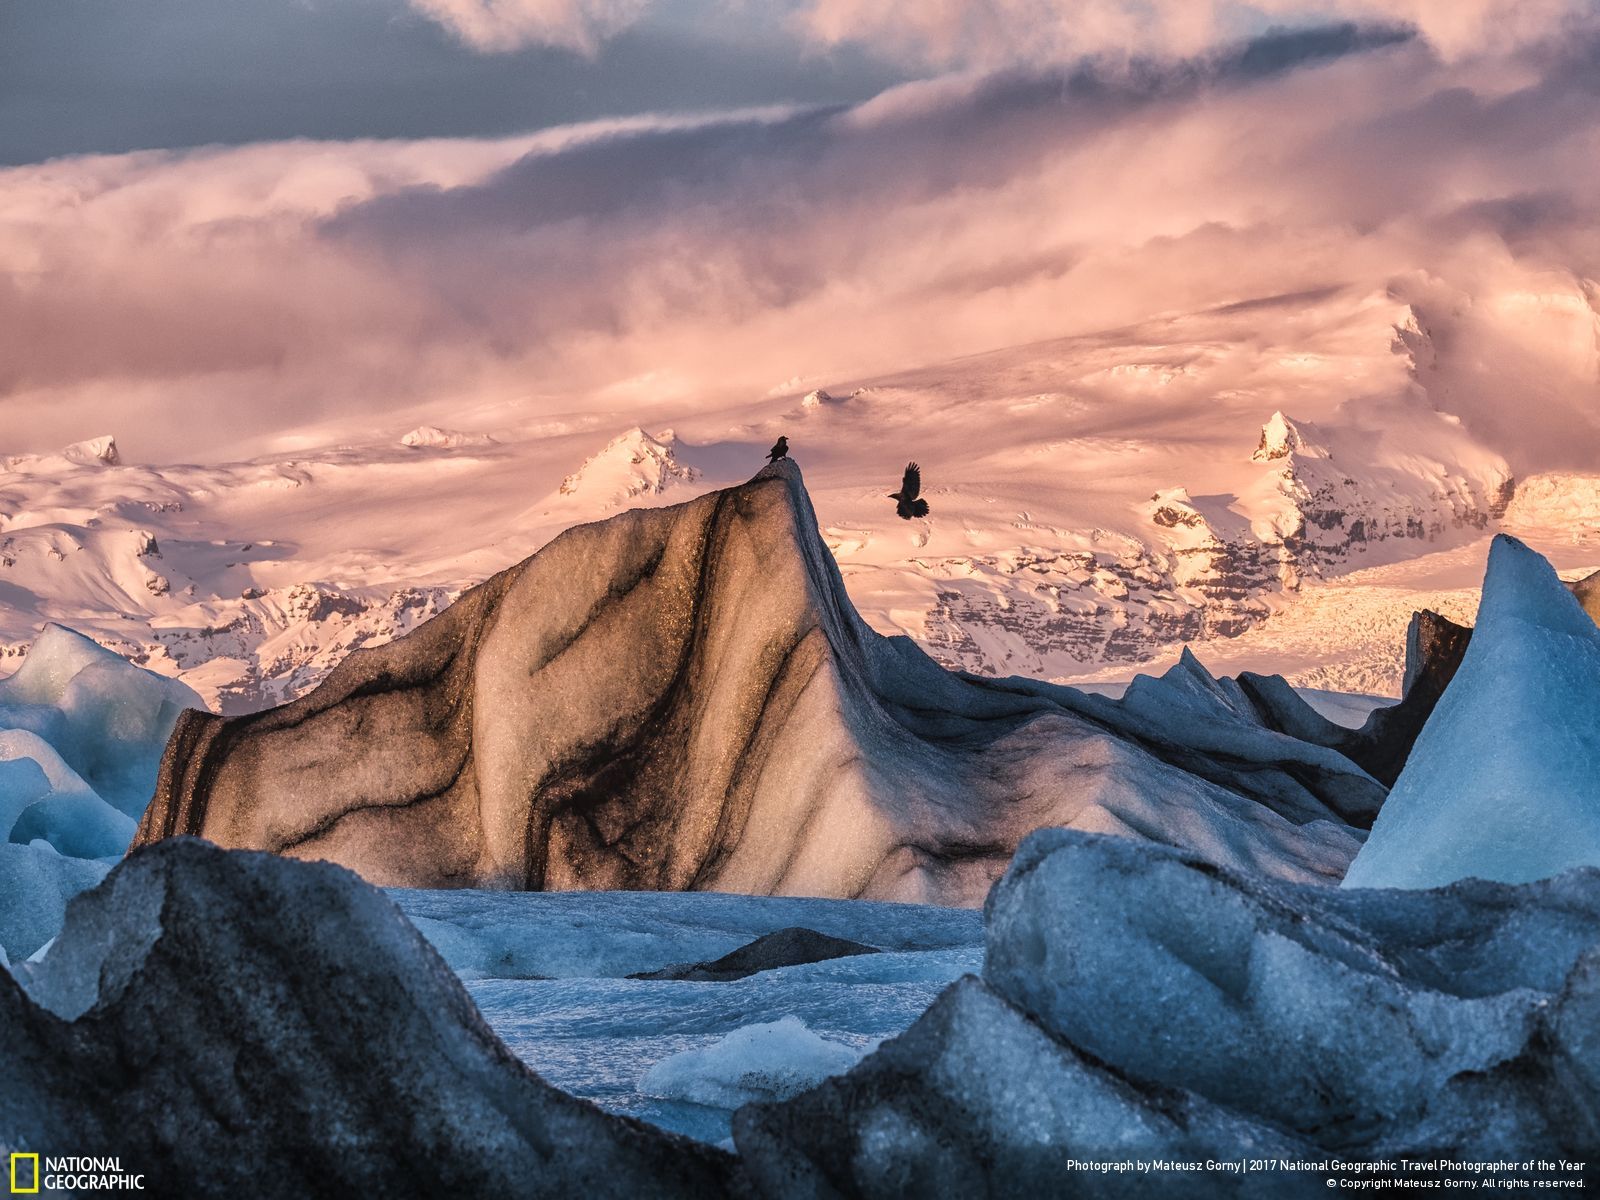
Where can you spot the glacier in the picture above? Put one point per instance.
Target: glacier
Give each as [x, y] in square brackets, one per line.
[1501, 782]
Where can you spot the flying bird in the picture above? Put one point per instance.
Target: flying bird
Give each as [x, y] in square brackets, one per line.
[780, 449]
[906, 503]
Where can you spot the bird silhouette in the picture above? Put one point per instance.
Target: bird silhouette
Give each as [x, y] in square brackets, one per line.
[780, 449]
[906, 503]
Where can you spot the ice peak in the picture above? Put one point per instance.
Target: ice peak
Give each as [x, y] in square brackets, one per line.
[1500, 783]
[1521, 585]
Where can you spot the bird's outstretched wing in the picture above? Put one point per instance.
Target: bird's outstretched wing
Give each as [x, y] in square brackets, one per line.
[912, 483]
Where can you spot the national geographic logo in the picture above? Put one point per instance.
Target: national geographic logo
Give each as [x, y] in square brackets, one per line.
[30, 1175]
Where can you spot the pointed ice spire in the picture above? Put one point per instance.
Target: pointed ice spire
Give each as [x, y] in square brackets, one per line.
[1501, 782]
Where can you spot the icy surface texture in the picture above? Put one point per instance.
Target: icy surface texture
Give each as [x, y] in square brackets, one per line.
[978, 1099]
[245, 1024]
[81, 736]
[1501, 782]
[271, 1028]
[596, 1032]
[107, 719]
[1375, 1021]
[1138, 1002]
[684, 699]
[35, 884]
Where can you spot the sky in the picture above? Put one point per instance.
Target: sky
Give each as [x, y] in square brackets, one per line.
[227, 226]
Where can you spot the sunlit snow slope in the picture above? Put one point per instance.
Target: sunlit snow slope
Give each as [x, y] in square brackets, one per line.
[1281, 478]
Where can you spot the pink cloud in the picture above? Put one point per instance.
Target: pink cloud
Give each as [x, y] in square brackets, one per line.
[209, 300]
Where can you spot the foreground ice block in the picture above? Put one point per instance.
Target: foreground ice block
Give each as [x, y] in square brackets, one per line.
[245, 1025]
[1139, 1003]
[1504, 780]
[244, 1021]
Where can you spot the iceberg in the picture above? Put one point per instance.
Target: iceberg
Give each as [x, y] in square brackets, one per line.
[81, 735]
[774, 1060]
[35, 884]
[1137, 1002]
[1501, 783]
[241, 1024]
[104, 718]
[685, 699]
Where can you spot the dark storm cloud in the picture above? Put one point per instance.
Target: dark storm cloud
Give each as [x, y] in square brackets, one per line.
[105, 76]
[981, 132]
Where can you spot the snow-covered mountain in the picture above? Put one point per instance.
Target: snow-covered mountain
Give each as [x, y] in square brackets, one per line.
[631, 465]
[1097, 502]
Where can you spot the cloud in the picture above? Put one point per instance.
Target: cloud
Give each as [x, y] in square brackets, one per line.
[991, 33]
[212, 299]
[499, 26]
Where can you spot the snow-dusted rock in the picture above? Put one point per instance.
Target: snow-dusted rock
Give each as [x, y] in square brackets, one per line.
[1313, 502]
[684, 698]
[1501, 783]
[95, 452]
[818, 398]
[1280, 437]
[246, 1025]
[1404, 472]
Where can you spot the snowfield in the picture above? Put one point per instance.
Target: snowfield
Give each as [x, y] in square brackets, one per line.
[1085, 523]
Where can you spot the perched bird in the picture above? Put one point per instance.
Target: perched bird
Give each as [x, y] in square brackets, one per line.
[780, 449]
[906, 503]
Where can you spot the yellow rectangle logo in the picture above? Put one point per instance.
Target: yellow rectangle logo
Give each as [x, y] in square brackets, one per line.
[24, 1191]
